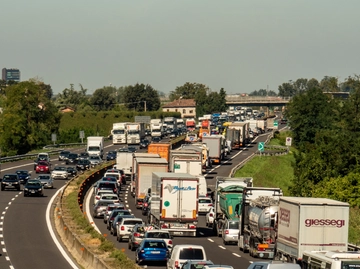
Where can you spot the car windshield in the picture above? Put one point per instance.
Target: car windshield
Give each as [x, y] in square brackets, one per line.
[94, 158]
[112, 153]
[60, 168]
[33, 183]
[10, 177]
[107, 185]
[84, 162]
[22, 173]
[72, 155]
[42, 163]
[191, 254]
[234, 225]
[43, 177]
[154, 244]
[42, 157]
[204, 201]
[64, 152]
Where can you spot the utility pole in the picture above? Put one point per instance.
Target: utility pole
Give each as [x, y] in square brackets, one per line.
[145, 106]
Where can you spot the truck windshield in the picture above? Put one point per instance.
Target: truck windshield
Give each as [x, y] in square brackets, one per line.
[94, 148]
[119, 132]
[133, 132]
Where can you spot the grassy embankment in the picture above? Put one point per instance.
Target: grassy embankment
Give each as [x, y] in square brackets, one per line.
[277, 171]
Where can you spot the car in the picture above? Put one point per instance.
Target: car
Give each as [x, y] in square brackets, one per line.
[95, 160]
[119, 174]
[116, 221]
[274, 265]
[115, 213]
[174, 134]
[60, 172]
[23, 175]
[210, 217]
[182, 253]
[204, 205]
[110, 208]
[190, 264]
[111, 155]
[33, 187]
[230, 232]
[125, 226]
[104, 179]
[136, 236]
[107, 185]
[123, 149]
[283, 121]
[100, 208]
[146, 205]
[98, 195]
[42, 167]
[110, 197]
[156, 139]
[151, 250]
[43, 156]
[144, 144]
[131, 149]
[72, 172]
[46, 180]
[218, 266]
[63, 155]
[160, 234]
[83, 164]
[83, 156]
[10, 181]
[72, 158]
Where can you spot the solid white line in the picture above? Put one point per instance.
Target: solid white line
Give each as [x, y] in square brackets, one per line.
[51, 231]
[88, 211]
[222, 247]
[237, 255]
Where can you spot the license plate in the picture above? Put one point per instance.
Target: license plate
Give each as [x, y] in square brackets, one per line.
[32, 191]
[179, 233]
[10, 184]
[155, 252]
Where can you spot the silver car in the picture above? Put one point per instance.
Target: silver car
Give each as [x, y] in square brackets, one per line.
[100, 208]
[230, 231]
[95, 160]
[46, 180]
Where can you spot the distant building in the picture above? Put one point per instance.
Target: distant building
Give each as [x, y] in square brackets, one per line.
[186, 107]
[11, 74]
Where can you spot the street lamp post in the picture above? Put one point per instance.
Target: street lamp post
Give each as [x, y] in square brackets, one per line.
[145, 106]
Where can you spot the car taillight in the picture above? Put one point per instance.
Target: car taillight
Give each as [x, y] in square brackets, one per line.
[164, 226]
[192, 226]
[210, 204]
[211, 215]
[146, 204]
[226, 231]
[97, 197]
[136, 234]
[177, 264]
[170, 242]
[122, 228]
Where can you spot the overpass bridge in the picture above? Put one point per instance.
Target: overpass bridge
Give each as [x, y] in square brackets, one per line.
[268, 101]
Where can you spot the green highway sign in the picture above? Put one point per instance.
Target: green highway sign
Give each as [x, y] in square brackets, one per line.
[176, 166]
[261, 146]
[276, 123]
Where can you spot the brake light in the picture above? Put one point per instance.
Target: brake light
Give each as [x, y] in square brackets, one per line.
[164, 226]
[170, 242]
[211, 214]
[177, 264]
[146, 204]
[136, 234]
[192, 226]
[97, 197]
[226, 231]
[210, 204]
[122, 228]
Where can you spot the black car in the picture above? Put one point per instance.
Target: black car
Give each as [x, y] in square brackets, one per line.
[83, 164]
[111, 155]
[83, 155]
[10, 181]
[23, 175]
[72, 158]
[123, 149]
[131, 149]
[63, 155]
[71, 171]
[33, 187]
[156, 139]
[144, 144]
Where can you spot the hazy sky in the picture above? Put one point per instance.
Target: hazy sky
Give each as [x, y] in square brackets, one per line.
[239, 45]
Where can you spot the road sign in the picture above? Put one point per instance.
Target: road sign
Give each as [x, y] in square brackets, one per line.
[176, 166]
[276, 123]
[261, 146]
[143, 119]
[53, 137]
[288, 141]
[82, 134]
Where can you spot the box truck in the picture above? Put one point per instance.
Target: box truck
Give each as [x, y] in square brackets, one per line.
[124, 162]
[174, 203]
[216, 145]
[308, 224]
[143, 176]
[95, 145]
[163, 149]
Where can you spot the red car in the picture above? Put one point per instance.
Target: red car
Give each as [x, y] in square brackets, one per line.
[42, 167]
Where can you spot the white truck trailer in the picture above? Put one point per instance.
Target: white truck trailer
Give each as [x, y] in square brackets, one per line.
[156, 128]
[95, 145]
[118, 133]
[216, 145]
[311, 224]
[143, 177]
[135, 132]
[174, 203]
[124, 162]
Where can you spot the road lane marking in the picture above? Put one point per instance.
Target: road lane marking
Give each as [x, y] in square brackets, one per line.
[211, 240]
[237, 255]
[222, 247]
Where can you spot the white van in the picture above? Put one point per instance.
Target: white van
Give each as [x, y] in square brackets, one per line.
[181, 253]
[273, 265]
[202, 186]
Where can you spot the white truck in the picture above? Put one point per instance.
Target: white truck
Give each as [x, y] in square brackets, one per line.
[257, 227]
[253, 124]
[243, 128]
[170, 123]
[202, 149]
[143, 177]
[118, 133]
[95, 145]
[124, 162]
[331, 259]
[156, 128]
[135, 132]
[311, 224]
[180, 123]
[216, 145]
[174, 203]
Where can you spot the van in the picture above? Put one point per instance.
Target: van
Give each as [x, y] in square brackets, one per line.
[273, 265]
[181, 253]
[202, 186]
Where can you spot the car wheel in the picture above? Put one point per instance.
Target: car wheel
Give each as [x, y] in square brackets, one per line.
[2, 188]
[129, 246]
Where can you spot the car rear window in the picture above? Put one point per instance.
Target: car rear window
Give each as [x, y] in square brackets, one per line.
[107, 185]
[132, 222]
[191, 254]
[205, 201]
[158, 235]
[199, 265]
[155, 245]
[233, 225]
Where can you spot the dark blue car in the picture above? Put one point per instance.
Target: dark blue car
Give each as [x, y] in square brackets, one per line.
[111, 155]
[23, 175]
[152, 250]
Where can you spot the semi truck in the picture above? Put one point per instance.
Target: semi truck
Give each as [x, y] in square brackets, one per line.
[204, 128]
[227, 200]
[163, 149]
[118, 133]
[156, 128]
[258, 225]
[190, 125]
[95, 145]
[243, 135]
[143, 176]
[216, 145]
[202, 149]
[170, 123]
[135, 132]
[311, 224]
[174, 203]
[178, 161]
[233, 135]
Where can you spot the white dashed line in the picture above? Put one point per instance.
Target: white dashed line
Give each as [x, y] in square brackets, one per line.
[237, 255]
[211, 240]
[222, 247]
[6, 208]
[13, 199]
[7, 258]
[2, 243]
[4, 250]
[9, 203]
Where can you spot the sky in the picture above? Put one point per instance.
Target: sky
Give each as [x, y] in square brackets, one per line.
[241, 46]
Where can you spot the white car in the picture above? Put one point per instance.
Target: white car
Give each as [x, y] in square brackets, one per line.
[205, 204]
[210, 216]
[160, 234]
[98, 195]
[60, 172]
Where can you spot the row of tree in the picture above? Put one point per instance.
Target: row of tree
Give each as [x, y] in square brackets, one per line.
[326, 131]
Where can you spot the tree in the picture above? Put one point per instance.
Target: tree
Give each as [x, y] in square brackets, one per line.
[103, 98]
[188, 91]
[28, 119]
[287, 89]
[72, 98]
[329, 84]
[135, 96]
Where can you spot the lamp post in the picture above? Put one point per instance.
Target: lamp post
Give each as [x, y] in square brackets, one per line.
[144, 106]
